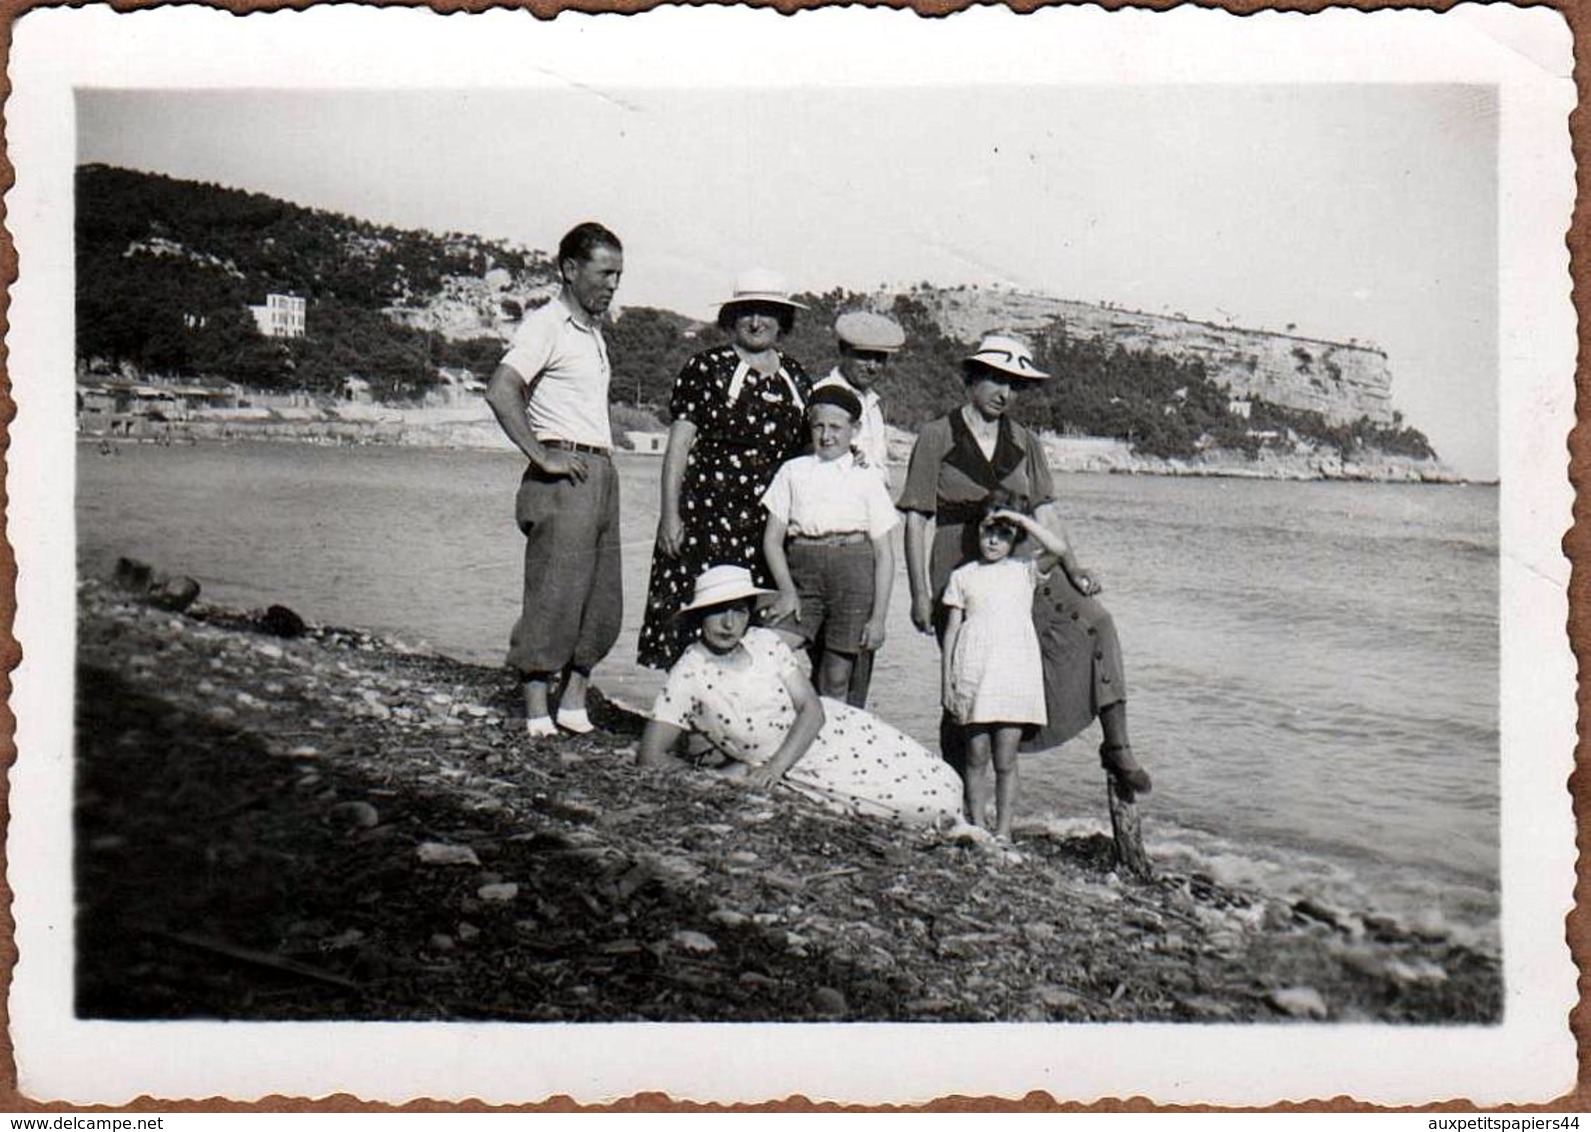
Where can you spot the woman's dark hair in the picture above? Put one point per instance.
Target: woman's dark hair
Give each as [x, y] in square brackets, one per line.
[731, 311]
[582, 241]
[1001, 499]
[973, 370]
[691, 622]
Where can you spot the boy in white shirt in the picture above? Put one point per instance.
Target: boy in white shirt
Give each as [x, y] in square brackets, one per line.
[827, 544]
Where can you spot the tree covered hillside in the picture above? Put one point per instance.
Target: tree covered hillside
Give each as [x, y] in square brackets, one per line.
[167, 269]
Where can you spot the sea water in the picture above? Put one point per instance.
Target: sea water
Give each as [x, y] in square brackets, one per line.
[1312, 667]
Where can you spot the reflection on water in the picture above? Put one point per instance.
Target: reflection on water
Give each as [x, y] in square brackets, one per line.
[1313, 667]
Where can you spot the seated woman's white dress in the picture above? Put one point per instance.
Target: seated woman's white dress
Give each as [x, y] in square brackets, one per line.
[857, 764]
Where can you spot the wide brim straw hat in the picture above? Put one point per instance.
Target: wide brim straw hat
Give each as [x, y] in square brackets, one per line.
[759, 285]
[1008, 355]
[720, 585]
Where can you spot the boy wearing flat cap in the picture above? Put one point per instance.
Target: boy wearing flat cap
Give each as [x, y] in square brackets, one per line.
[867, 341]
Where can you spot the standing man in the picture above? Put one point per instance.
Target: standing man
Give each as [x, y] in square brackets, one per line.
[550, 394]
[866, 342]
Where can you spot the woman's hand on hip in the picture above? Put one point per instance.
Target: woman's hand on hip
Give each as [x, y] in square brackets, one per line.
[1085, 580]
[670, 535]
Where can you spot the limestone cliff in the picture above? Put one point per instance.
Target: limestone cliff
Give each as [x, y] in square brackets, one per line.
[1342, 381]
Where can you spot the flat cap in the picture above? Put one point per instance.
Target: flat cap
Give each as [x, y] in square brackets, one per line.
[864, 330]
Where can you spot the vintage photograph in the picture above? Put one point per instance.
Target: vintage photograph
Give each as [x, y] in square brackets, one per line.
[996, 546]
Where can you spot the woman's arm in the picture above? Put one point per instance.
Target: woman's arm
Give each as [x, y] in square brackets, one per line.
[1046, 527]
[798, 740]
[883, 586]
[788, 602]
[657, 746]
[670, 530]
[919, 540]
[952, 631]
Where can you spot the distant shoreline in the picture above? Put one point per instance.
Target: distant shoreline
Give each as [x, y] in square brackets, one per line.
[468, 429]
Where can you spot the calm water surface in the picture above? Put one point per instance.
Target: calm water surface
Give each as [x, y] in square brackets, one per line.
[1313, 667]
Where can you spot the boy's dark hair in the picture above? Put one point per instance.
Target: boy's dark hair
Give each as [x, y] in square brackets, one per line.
[839, 397]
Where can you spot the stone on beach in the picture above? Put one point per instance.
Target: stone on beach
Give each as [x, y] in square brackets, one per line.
[1299, 1002]
[695, 942]
[438, 853]
[353, 815]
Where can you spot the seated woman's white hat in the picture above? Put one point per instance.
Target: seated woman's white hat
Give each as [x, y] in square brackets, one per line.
[1008, 355]
[719, 585]
[759, 285]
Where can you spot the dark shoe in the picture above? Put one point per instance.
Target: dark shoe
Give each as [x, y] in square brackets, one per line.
[1129, 774]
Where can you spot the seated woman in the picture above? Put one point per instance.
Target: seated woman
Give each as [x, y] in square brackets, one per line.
[743, 691]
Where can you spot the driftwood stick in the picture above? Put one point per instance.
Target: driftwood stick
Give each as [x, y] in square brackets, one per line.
[257, 958]
[1124, 828]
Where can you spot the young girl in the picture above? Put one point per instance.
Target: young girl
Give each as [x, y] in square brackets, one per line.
[993, 678]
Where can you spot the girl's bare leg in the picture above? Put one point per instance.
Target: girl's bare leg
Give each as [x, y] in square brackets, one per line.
[975, 781]
[1005, 777]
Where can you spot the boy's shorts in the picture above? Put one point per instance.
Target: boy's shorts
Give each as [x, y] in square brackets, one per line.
[835, 584]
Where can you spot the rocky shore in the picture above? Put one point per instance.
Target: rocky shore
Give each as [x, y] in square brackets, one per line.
[456, 428]
[281, 821]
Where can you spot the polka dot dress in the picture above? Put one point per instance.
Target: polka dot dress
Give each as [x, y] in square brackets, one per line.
[858, 763]
[747, 424]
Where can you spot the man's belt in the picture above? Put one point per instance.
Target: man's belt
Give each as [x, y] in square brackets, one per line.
[571, 446]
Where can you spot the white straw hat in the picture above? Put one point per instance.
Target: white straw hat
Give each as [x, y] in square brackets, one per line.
[759, 285]
[719, 585]
[1008, 355]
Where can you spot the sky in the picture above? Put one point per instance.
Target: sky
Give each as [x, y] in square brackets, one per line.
[1352, 210]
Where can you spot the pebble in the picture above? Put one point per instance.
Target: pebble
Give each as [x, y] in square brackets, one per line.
[436, 853]
[1418, 972]
[204, 688]
[827, 1000]
[1299, 1002]
[270, 651]
[247, 700]
[441, 942]
[754, 979]
[728, 917]
[467, 932]
[222, 714]
[1038, 932]
[1059, 998]
[476, 711]
[354, 815]
[694, 942]
[304, 751]
[744, 857]
[500, 893]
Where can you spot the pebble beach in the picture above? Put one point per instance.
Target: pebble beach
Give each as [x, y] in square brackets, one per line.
[333, 824]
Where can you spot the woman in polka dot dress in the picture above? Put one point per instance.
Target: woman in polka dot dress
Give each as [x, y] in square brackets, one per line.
[744, 692]
[738, 413]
